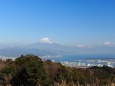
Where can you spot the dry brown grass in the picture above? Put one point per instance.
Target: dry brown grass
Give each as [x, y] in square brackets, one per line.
[2, 65]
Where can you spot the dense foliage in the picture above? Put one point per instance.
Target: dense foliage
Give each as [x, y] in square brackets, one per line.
[30, 70]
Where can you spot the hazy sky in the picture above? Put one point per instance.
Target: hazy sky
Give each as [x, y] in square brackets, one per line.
[67, 22]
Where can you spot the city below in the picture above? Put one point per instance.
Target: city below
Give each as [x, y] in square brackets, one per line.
[91, 62]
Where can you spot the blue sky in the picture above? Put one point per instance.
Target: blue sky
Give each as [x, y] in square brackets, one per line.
[67, 22]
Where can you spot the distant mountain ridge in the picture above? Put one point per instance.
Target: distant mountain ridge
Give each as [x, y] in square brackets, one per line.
[39, 49]
[51, 47]
[43, 49]
[15, 52]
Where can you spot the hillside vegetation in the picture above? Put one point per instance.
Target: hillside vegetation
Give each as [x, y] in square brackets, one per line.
[30, 70]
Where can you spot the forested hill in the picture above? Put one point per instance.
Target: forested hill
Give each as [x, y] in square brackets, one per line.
[30, 70]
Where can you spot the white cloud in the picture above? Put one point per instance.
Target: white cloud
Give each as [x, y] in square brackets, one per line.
[84, 46]
[46, 40]
[109, 44]
[81, 46]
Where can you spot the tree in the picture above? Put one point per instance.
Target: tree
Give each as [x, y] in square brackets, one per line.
[30, 72]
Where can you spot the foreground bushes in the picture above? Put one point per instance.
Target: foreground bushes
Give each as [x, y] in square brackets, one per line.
[30, 70]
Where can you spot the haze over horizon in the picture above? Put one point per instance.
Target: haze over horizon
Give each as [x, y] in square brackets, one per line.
[77, 23]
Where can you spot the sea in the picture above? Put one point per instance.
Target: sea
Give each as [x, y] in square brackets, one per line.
[71, 57]
[87, 60]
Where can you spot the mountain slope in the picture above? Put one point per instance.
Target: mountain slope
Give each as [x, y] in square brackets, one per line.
[14, 52]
